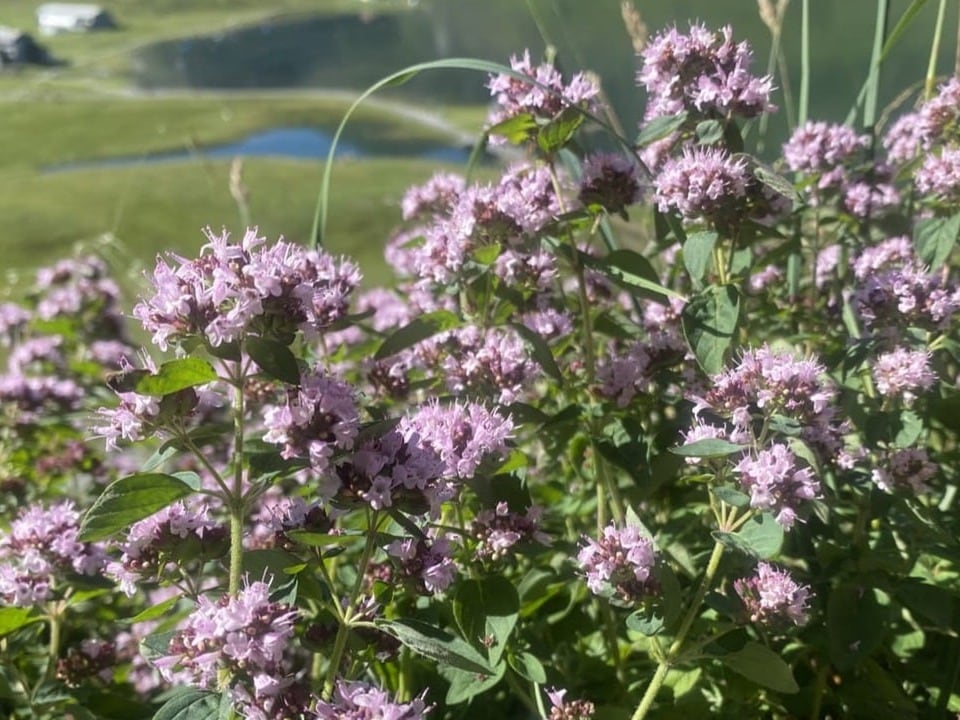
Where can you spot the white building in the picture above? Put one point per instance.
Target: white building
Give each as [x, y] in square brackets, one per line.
[54, 18]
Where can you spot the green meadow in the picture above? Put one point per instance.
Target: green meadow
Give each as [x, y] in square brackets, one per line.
[86, 111]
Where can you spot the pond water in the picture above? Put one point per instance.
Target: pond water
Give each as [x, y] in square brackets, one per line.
[292, 142]
[355, 50]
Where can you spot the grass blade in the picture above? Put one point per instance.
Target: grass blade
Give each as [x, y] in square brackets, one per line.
[319, 228]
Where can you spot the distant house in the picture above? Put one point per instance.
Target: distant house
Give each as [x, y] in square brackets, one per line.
[18, 48]
[54, 18]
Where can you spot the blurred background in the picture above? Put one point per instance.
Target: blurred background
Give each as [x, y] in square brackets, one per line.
[128, 126]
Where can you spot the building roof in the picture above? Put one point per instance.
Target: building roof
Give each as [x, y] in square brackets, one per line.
[71, 9]
[10, 34]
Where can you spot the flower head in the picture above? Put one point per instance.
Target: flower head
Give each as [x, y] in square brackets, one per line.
[771, 597]
[232, 290]
[319, 417]
[903, 373]
[702, 71]
[545, 99]
[702, 182]
[244, 637]
[776, 483]
[621, 562]
[40, 550]
[359, 701]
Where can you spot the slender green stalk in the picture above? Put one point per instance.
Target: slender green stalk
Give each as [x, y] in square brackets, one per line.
[656, 682]
[56, 621]
[803, 107]
[931, 79]
[236, 502]
[876, 57]
[347, 623]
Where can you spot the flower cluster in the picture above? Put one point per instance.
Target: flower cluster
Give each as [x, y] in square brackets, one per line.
[359, 701]
[620, 563]
[319, 417]
[908, 470]
[939, 175]
[903, 374]
[702, 71]
[93, 658]
[428, 563]
[233, 290]
[896, 291]
[246, 637]
[609, 180]
[834, 157]
[393, 470]
[544, 98]
[40, 549]
[462, 435]
[496, 531]
[702, 182]
[494, 361]
[172, 534]
[776, 483]
[568, 709]
[766, 383]
[771, 597]
[933, 123]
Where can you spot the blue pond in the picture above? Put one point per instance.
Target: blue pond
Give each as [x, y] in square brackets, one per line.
[302, 143]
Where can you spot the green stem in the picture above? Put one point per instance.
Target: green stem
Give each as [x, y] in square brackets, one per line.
[54, 646]
[343, 631]
[819, 688]
[804, 103]
[664, 665]
[236, 502]
[608, 483]
[931, 79]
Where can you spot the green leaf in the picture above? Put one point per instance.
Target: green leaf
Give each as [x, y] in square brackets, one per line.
[560, 130]
[487, 254]
[436, 644]
[910, 429]
[776, 182]
[487, 610]
[763, 666]
[156, 644]
[709, 323]
[731, 497]
[762, 536]
[528, 667]
[177, 375]
[659, 128]
[633, 270]
[515, 129]
[934, 239]
[697, 254]
[188, 703]
[129, 500]
[154, 611]
[708, 448]
[541, 351]
[709, 132]
[14, 618]
[855, 624]
[421, 328]
[274, 358]
[645, 621]
[465, 685]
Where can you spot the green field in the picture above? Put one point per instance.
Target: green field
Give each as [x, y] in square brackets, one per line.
[86, 111]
